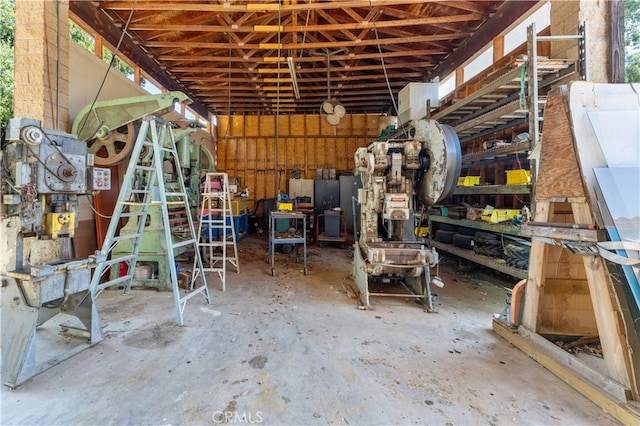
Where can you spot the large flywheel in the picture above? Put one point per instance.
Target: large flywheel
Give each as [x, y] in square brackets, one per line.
[442, 146]
[110, 127]
[114, 146]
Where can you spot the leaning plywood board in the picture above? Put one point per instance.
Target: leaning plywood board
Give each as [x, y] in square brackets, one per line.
[557, 156]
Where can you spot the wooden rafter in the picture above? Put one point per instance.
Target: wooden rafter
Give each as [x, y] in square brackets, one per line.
[205, 47]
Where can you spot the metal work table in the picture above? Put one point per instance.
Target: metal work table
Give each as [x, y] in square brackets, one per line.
[286, 238]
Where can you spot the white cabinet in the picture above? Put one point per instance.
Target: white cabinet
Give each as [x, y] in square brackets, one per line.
[412, 100]
[301, 188]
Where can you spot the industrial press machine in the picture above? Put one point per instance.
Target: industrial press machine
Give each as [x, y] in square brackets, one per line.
[117, 122]
[400, 177]
[44, 171]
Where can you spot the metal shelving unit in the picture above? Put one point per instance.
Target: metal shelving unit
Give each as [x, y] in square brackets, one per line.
[509, 98]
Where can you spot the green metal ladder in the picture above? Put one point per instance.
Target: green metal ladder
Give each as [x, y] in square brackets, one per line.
[216, 228]
[138, 197]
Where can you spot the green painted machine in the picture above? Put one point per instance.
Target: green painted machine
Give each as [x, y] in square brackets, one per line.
[117, 123]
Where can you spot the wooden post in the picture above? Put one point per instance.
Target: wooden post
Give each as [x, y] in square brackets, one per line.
[535, 280]
[606, 309]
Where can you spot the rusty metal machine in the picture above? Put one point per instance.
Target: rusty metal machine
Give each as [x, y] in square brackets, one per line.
[400, 177]
[43, 173]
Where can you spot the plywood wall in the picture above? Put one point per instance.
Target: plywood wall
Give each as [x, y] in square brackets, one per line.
[263, 150]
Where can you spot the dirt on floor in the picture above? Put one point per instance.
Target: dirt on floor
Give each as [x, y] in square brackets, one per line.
[290, 348]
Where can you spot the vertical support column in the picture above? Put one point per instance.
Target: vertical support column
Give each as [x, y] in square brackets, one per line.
[567, 16]
[459, 76]
[498, 48]
[42, 62]
[537, 272]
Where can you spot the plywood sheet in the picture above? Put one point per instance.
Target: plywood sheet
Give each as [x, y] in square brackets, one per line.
[310, 152]
[312, 123]
[566, 309]
[252, 125]
[270, 154]
[561, 263]
[268, 125]
[345, 127]
[327, 129]
[237, 126]
[260, 185]
[558, 174]
[285, 124]
[359, 124]
[290, 154]
[298, 125]
[320, 149]
[240, 158]
[251, 152]
[249, 181]
[300, 154]
[223, 128]
[261, 153]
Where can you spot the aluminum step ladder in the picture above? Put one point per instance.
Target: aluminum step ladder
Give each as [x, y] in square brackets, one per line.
[143, 185]
[216, 228]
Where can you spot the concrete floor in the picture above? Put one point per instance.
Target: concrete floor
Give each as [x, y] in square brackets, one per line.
[294, 349]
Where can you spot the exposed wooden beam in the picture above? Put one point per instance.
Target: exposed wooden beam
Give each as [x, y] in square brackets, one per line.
[283, 70]
[320, 45]
[255, 7]
[413, 53]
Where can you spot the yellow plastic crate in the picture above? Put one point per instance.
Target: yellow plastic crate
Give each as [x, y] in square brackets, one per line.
[469, 181]
[498, 215]
[285, 206]
[421, 231]
[518, 177]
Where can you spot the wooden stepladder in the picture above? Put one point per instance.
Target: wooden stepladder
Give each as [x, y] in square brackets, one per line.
[134, 201]
[216, 228]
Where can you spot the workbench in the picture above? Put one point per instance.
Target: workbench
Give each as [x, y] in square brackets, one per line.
[298, 221]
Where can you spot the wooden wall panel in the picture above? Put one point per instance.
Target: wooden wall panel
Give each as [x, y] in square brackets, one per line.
[373, 123]
[341, 151]
[252, 150]
[222, 128]
[249, 181]
[241, 152]
[231, 153]
[261, 186]
[271, 154]
[345, 127]
[247, 147]
[312, 125]
[252, 125]
[281, 153]
[267, 125]
[290, 154]
[261, 154]
[300, 155]
[320, 149]
[298, 125]
[237, 126]
[331, 156]
[326, 129]
[359, 124]
[285, 123]
[310, 148]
